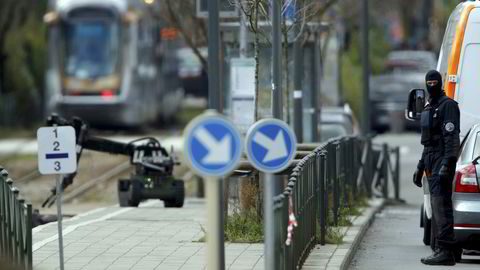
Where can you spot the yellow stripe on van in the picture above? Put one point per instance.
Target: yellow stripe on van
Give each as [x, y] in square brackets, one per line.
[454, 57]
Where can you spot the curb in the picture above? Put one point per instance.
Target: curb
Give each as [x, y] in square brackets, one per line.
[354, 235]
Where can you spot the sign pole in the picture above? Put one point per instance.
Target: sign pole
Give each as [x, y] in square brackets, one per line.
[215, 243]
[213, 149]
[215, 237]
[269, 192]
[277, 111]
[59, 219]
[279, 141]
[57, 155]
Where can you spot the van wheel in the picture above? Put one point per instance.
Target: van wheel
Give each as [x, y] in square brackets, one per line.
[426, 227]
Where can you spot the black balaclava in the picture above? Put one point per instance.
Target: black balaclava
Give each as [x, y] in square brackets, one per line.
[436, 90]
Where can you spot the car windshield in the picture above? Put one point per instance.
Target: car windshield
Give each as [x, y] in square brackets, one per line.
[91, 48]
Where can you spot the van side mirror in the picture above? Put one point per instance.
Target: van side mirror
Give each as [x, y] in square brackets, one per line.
[416, 103]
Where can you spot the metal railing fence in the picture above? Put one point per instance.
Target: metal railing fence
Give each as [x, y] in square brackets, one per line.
[15, 224]
[322, 185]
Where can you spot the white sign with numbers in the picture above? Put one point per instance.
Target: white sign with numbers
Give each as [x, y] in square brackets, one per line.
[56, 150]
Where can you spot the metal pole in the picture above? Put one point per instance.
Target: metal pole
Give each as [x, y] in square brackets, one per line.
[215, 237]
[277, 92]
[215, 242]
[269, 192]
[272, 186]
[277, 96]
[315, 89]
[366, 70]
[214, 101]
[297, 84]
[242, 38]
[59, 219]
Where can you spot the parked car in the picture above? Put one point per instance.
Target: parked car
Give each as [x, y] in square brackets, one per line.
[466, 197]
[193, 76]
[404, 70]
[336, 121]
[406, 61]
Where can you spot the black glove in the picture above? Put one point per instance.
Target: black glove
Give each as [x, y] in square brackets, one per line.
[444, 172]
[417, 177]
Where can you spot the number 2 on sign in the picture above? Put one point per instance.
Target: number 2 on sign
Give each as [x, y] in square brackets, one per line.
[57, 166]
[56, 145]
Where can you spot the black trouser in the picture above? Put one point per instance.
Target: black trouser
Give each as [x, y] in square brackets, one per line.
[441, 199]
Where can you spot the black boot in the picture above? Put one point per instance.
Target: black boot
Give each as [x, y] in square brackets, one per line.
[433, 255]
[440, 257]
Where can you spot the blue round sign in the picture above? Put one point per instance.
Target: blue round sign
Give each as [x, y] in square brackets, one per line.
[212, 145]
[270, 145]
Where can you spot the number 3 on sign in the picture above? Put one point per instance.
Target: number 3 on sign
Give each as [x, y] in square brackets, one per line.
[57, 166]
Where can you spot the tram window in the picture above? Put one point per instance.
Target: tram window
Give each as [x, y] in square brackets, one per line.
[91, 48]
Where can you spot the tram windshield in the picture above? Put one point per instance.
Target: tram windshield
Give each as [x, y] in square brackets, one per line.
[91, 48]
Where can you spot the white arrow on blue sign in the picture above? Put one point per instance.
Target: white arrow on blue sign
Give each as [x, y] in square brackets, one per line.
[212, 145]
[270, 145]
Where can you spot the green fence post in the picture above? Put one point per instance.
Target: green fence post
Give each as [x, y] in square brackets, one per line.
[28, 236]
[336, 184]
[345, 175]
[352, 167]
[2, 213]
[397, 173]
[323, 196]
[9, 221]
[367, 168]
[385, 175]
[278, 213]
[14, 225]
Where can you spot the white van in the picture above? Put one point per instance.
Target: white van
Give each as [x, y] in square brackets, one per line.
[459, 62]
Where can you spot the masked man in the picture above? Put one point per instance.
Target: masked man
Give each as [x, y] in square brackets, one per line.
[440, 125]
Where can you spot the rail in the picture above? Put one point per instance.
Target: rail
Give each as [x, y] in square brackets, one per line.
[322, 185]
[15, 224]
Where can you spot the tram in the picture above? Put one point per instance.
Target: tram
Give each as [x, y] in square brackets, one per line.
[109, 63]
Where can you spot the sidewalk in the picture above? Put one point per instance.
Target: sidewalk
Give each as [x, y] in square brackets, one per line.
[338, 257]
[148, 237]
[154, 237]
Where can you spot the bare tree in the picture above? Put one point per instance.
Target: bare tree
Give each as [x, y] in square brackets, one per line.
[182, 15]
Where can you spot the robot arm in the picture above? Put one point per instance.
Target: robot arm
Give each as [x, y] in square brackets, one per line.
[148, 156]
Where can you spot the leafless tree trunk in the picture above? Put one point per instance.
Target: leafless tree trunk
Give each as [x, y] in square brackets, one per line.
[173, 16]
[256, 47]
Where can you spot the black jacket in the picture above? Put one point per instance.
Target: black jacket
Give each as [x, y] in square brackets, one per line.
[440, 125]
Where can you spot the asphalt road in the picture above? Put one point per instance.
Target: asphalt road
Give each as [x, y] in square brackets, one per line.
[394, 241]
